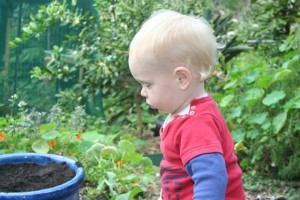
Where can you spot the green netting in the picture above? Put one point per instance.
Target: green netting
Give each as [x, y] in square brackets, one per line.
[15, 65]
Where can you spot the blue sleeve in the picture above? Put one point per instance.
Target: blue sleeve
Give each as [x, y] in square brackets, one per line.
[208, 171]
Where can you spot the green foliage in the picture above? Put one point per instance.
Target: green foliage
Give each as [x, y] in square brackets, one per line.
[120, 172]
[258, 91]
[30, 130]
[108, 154]
[260, 99]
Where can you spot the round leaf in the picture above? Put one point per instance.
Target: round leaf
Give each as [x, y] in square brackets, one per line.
[50, 135]
[235, 112]
[259, 118]
[40, 147]
[126, 146]
[254, 93]
[273, 97]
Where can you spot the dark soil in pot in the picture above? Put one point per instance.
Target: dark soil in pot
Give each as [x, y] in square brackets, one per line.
[27, 177]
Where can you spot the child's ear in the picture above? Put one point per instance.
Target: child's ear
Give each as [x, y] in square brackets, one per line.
[183, 77]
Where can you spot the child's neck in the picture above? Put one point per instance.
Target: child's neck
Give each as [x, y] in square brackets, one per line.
[196, 90]
[184, 109]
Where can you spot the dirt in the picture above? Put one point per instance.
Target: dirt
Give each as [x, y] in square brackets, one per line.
[27, 177]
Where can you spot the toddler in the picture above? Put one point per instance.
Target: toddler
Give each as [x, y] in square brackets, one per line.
[171, 56]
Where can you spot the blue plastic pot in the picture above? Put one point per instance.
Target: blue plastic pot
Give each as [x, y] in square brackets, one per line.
[66, 191]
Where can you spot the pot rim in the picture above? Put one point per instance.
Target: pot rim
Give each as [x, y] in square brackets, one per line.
[43, 158]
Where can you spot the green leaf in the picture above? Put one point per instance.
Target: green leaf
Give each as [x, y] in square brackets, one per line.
[111, 176]
[292, 103]
[132, 156]
[110, 186]
[235, 112]
[264, 81]
[108, 150]
[252, 133]
[259, 118]
[296, 104]
[238, 135]
[264, 139]
[40, 147]
[252, 76]
[254, 93]
[129, 195]
[94, 151]
[18, 40]
[50, 135]
[226, 100]
[230, 84]
[33, 25]
[92, 136]
[279, 122]
[266, 125]
[282, 47]
[281, 74]
[12, 45]
[290, 62]
[74, 2]
[126, 146]
[27, 30]
[273, 97]
[47, 127]
[132, 177]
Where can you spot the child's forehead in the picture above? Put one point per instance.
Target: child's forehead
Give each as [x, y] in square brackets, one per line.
[142, 55]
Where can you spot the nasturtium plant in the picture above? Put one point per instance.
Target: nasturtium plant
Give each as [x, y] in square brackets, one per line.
[50, 135]
[40, 146]
[273, 97]
[279, 121]
[226, 100]
[259, 118]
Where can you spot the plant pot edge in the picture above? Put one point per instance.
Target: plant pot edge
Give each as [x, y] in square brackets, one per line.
[67, 187]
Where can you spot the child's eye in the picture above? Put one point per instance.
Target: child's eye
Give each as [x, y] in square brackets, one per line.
[146, 85]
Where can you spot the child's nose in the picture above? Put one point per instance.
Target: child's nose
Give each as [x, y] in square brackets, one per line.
[143, 92]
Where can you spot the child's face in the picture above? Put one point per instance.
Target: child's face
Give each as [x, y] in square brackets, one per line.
[159, 85]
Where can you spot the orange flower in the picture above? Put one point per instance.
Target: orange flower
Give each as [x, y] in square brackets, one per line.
[119, 163]
[52, 143]
[2, 137]
[78, 136]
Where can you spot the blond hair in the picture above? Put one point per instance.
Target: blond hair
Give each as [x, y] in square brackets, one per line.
[178, 40]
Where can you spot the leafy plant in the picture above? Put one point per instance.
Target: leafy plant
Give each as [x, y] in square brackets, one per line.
[31, 130]
[113, 166]
[118, 170]
[260, 100]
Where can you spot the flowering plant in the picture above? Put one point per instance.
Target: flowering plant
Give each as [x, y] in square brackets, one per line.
[30, 130]
[114, 168]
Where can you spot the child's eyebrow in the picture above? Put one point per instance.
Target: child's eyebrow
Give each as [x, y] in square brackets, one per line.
[142, 81]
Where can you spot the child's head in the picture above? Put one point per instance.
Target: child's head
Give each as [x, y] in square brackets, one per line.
[171, 56]
[173, 39]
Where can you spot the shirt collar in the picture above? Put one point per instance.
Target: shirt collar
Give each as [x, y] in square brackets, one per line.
[183, 111]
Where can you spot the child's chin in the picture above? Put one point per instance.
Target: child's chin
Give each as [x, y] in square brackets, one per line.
[153, 110]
